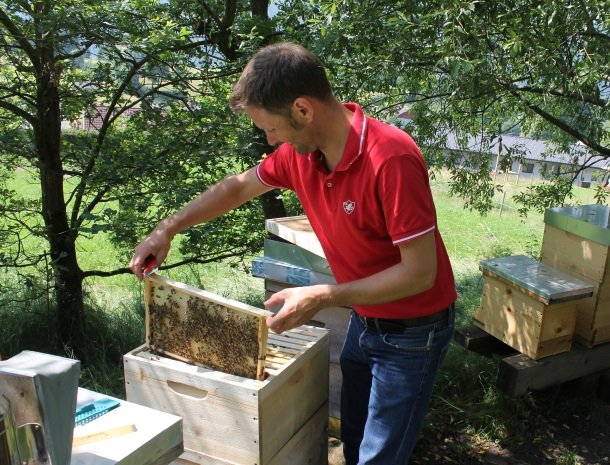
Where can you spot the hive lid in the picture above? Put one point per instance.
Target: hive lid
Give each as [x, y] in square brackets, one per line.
[546, 283]
[588, 221]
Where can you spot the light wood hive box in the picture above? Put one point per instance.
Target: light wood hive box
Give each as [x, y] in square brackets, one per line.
[232, 419]
[529, 306]
[576, 241]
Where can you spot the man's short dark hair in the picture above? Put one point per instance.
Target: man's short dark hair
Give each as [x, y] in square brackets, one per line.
[278, 74]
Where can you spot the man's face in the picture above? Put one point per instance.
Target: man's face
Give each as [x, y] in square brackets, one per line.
[280, 128]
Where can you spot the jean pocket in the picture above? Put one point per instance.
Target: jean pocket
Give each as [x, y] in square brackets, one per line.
[415, 339]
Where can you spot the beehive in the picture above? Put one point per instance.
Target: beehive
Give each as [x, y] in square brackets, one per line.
[529, 306]
[576, 241]
[229, 419]
[203, 328]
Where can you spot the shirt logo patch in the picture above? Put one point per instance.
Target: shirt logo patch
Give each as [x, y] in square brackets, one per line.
[349, 206]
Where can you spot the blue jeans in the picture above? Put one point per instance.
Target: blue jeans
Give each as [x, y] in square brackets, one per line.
[387, 385]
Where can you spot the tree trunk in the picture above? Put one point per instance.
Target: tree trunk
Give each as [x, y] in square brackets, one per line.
[68, 278]
[273, 205]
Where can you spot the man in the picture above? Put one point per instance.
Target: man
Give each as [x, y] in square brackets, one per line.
[364, 187]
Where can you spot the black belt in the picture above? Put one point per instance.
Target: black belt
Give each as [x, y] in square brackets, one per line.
[385, 325]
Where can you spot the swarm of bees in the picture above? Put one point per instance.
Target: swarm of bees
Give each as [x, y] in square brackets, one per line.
[203, 332]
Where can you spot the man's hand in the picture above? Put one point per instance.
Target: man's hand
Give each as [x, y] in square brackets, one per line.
[157, 244]
[300, 304]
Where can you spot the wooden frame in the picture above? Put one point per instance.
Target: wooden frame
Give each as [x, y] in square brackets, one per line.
[205, 329]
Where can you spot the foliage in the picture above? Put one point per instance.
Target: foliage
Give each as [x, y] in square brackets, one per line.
[119, 109]
[28, 324]
[472, 68]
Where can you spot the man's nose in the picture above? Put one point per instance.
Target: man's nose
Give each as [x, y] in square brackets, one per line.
[271, 140]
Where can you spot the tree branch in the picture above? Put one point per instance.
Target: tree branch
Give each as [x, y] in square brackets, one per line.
[19, 151]
[604, 151]
[109, 117]
[210, 11]
[18, 112]
[194, 260]
[570, 96]
[81, 52]
[229, 15]
[19, 36]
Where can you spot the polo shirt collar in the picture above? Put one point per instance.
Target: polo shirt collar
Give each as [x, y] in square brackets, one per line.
[354, 145]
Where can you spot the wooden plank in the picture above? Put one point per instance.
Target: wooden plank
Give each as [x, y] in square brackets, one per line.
[309, 446]
[477, 340]
[519, 374]
[291, 253]
[603, 391]
[543, 282]
[304, 383]
[205, 329]
[141, 364]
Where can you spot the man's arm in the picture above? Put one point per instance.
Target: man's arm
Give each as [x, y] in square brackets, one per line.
[415, 273]
[226, 195]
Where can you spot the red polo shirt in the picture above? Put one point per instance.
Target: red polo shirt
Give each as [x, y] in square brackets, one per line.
[376, 198]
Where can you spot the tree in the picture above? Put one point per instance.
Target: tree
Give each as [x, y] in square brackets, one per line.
[150, 80]
[475, 68]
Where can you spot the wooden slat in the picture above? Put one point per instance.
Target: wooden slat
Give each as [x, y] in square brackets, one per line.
[480, 341]
[519, 374]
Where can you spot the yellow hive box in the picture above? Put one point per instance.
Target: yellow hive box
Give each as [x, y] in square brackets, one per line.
[576, 241]
[529, 306]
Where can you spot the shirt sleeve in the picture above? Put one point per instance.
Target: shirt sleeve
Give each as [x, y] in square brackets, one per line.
[404, 192]
[273, 171]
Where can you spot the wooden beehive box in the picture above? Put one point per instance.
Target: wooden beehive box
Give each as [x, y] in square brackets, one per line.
[529, 306]
[228, 419]
[203, 328]
[576, 241]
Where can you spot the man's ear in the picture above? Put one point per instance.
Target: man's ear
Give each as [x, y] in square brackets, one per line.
[302, 110]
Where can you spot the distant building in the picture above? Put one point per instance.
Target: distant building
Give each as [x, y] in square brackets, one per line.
[531, 158]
